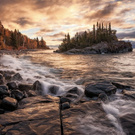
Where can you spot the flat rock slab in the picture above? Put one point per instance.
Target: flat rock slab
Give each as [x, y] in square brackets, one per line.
[36, 116]
[87, 119]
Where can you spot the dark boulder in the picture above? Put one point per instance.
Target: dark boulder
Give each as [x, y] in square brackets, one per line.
[121, 86]
[12, 85]
[3, 92]
[17, 94]
[9, 103]
[7, 77]
[2, 111]
[3, 87]
[17, 77]
[37, 87]
[94, 90]
[24, 87]
[128, 123]
[53, 89]
[74, 90]
[65, 99]
[65, 105]
[1, 79]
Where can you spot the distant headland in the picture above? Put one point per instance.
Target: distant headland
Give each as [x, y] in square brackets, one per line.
[15, 40]
[102, 39]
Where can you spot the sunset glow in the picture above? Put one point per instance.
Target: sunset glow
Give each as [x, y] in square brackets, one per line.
[52, 19]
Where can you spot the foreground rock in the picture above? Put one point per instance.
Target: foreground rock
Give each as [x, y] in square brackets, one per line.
[104, 47]
[37, 115]
[95, 89]
[86, 118]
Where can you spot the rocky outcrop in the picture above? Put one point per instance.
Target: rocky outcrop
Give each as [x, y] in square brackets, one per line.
[37, 115]
[86, 118]
[104, 47]
[95, 89]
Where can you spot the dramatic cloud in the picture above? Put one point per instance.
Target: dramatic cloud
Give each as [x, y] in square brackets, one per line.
[51, 19]
[130, 35]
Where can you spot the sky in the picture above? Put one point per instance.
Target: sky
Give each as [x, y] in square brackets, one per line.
[52, 19]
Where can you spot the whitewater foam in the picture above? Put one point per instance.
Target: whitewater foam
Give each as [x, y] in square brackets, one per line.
[32, 72]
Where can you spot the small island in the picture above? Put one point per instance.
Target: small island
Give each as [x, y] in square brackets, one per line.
[102, 39]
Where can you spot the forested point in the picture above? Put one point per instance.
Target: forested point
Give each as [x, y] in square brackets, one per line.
[100, 33]
[15, 40]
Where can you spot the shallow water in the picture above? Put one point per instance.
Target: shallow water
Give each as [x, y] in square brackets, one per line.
[66, 71]
[87, 68]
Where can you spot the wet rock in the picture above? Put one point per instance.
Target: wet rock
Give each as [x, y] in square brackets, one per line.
[31, 93]
[12, 85]
[25, 94]
[1, 79]
[8, 72]
[9, 103]
[121, 86]
[24, 87]
[4, 87]
[7, 76]
[70, 95]
[65, 105]
[3, 92]
[2, 111]
[37, 87]
[128, 123]
[17, 77]
[130, 94]
[53, 90]
[103, 97]
[17, 94]
[38, 115]
[74, 90]
[64, 99]
[86, 118]
[95, 89]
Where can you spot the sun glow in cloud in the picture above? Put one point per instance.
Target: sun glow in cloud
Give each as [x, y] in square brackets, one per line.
[52, 19]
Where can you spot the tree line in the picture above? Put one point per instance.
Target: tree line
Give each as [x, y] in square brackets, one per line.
[15, 40]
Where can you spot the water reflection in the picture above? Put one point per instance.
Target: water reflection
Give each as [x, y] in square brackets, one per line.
[116, 67]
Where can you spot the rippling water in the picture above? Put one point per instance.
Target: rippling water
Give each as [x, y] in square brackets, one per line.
[67, 71]
[87, 68]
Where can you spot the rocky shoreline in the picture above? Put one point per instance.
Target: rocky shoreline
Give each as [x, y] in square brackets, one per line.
[25, 110]
[103, 48]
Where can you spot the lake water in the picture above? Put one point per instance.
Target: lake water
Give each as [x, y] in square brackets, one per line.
[67, 71]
